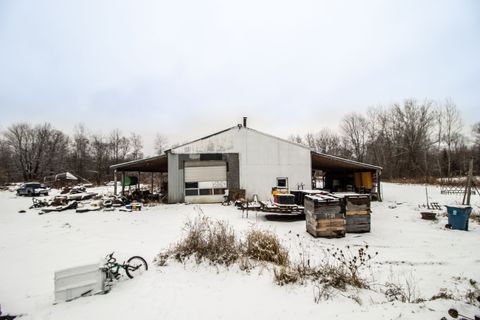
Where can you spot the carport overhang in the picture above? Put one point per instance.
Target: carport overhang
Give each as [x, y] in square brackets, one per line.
[335, 167]
[156, 164]
[152, 164]
[322, 161]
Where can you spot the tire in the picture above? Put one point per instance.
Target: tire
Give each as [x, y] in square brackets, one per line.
[136, 266]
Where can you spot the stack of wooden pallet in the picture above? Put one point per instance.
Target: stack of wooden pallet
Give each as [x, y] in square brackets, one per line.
[324, 217]
[357, 211]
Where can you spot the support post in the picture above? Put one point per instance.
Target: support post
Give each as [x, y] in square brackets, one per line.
[123, 185]
[115, 182]
[152, 184]
[468, 187]
[379, 190]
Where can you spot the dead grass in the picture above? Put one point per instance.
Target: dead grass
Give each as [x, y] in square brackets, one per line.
[473, 293]
[341, 271]
[265, 246]
[214, 241]
[475, 216]
[404, 291]
[444, 294]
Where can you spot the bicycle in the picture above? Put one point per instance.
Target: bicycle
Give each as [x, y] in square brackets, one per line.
[454, 314]
[134, 266]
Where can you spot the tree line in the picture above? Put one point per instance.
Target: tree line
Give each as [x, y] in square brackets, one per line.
[412, 139]
[31, 152]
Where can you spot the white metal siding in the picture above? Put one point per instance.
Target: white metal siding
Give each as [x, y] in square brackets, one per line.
[201, 174]
[262, 159]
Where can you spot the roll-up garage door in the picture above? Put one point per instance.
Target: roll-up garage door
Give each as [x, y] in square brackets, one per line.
[202, 174]
[205, 181]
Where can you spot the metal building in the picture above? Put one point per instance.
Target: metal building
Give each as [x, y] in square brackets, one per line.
[241, 158]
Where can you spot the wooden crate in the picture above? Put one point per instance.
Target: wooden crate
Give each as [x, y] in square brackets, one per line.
[358, 222]
[357, 212]
[323, 217]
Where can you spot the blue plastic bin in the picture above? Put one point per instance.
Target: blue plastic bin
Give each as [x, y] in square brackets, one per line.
[458, 217]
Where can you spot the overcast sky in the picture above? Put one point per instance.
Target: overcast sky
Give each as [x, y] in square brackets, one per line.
[189, 68]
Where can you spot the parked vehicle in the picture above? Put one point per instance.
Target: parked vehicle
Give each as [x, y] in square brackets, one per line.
[32, 189]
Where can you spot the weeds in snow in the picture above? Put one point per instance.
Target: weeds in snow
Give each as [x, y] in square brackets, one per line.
[217, 243]
[443, 293]
[214, 241]
[265, 246]
[473, 293]
[475, 216]
[352, 262]
[405, 291]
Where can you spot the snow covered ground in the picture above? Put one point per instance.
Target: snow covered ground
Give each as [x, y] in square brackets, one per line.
[421, 252]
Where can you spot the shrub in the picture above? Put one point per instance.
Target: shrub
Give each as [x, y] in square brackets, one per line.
[205, 239]
[265, 246]
[216, 242]
[285, 275]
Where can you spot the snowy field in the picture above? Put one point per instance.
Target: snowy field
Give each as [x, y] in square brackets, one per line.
[422, 253]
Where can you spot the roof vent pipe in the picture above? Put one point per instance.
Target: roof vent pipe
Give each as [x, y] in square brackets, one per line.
[245, 122]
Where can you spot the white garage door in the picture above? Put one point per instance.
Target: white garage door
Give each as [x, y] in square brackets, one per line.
[201, 174]
[205, 181]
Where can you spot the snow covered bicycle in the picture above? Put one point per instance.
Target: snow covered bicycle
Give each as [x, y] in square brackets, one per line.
[134, 266]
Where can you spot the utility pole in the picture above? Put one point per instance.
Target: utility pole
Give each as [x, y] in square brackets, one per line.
[468, 187]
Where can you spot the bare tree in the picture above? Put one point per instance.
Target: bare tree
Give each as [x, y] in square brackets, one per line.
[476, 133]
[99, 151]
[452, 132]
[412, 123]
[380, 139]
[137, 146]
[438, 114]
[161, 142]
[36, 150]
[295, 138]
[476, 146]
[6, 173]
[324, 141]
[309, 140]
[119, 146]
[80, 150]
[354, 127]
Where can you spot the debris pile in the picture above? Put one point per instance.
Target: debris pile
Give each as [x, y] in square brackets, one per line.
[79, 199]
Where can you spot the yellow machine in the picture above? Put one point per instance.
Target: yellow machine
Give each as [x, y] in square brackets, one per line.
[282, 197]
